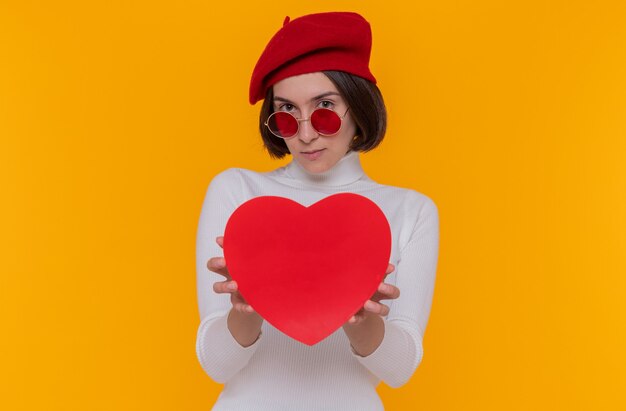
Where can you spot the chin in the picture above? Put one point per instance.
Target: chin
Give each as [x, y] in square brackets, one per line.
[321, 164]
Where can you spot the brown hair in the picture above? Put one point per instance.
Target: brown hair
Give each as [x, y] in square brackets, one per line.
[367, 108]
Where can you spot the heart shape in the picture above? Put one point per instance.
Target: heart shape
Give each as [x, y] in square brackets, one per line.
[307, 270]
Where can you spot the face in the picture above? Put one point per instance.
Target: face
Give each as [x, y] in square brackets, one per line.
[302, 94]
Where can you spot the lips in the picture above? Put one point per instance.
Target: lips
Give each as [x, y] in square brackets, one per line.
[313, 155]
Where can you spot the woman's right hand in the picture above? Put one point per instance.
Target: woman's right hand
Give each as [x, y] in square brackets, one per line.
[243, 322]
[218, 265]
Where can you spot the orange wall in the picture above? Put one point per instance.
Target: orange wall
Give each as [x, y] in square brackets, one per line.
[115, 115]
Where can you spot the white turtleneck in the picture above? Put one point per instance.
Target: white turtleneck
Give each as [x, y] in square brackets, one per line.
[279, 373]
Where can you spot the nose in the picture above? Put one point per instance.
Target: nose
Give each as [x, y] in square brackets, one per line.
[307, 133]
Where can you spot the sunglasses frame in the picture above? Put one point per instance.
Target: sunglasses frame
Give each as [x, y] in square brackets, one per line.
[298, 120]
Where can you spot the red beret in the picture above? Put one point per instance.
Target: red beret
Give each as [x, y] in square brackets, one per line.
[339, 41]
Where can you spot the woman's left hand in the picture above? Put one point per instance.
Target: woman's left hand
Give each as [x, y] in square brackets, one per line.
[373, 306]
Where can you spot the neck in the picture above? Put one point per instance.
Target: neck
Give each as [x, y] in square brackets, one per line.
[346, 171]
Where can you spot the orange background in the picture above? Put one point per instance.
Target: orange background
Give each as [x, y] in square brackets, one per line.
[114, 117]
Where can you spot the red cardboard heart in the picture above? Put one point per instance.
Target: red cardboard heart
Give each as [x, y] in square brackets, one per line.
[307, 270]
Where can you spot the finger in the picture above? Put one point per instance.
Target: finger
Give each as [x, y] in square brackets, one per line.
[240, 307]
[384, 310]
[355, 319]
[388, 291]
[390, 269]
[385, 292]
[223, 287]
[220, 241]
[237, 299]
[216, 262]
[218, 265]
[376, 308]
[243, 308]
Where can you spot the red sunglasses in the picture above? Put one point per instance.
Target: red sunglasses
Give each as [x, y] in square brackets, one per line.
[323, 120]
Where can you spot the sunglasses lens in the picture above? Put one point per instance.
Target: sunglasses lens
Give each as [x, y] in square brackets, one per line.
[325, 121]
[283, 124]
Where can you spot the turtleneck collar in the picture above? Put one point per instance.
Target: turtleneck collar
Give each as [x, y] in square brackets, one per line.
[346, 171]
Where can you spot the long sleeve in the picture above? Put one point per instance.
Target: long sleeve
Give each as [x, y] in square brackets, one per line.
[220, 355]
[401, 350]
[327, 375]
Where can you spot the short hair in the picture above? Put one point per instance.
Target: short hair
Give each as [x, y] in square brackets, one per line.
[367, 109]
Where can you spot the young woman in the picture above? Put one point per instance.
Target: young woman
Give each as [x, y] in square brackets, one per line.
[321, 106]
